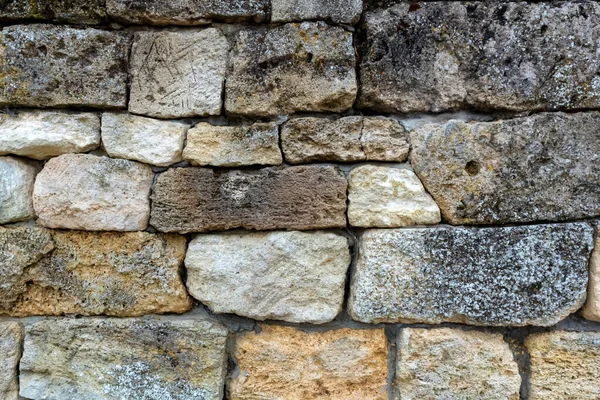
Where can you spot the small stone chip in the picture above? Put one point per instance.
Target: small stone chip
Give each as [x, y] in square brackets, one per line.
[591, 309]
[17, 177]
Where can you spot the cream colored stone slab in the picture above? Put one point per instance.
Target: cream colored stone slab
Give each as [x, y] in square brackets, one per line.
[17, 177]
[11, 337]
[591, 309]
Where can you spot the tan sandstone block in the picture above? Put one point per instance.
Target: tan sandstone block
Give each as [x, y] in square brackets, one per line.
[591, 309]
[11, 337]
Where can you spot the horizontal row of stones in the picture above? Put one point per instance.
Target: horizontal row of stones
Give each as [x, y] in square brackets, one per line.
[512, 276]
[445, 56]
[186, 358]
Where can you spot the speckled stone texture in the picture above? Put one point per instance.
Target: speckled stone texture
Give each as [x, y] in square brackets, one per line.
[436, 56]
[178, 74]
[59, 66]
[540, 168]
[286, 363]
[296, 198]
[336, 11]
[291, 276]
[509, 276]
[564, 365]
[591, 309]
[69, 11]
[11, 338]
[68, 272]
[186, 12]
[291, 68]
[107, 359]
[445, 363]
[17, 177]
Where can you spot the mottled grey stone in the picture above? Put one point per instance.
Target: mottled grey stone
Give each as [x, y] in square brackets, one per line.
[58, 66]
[201, 199]
[11, 341]
[435, 56]
[540, 168]
[291, 68]
[71, 11]
[336, 11]
[510, 276]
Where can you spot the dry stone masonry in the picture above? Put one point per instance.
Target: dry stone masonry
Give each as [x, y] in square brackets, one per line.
[299, 200]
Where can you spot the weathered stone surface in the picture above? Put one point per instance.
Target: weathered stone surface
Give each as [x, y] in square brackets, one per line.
[143, 359]
[287, 363]
[57, 66]
[233, 146]
[148, 140]
[290, 276]
[445, 55]
[44, 134]
[72, 11]
[201, 199]
[540, 168]
[178, 74]
[186, 12]
[11, 337]
[591, 309]
[346, 139]
[388, 197]
[564, 365]
[83, 191]
[67, 272]
[514, 276]
[16, 187]
[336, 11]
[291, 68]
[449, 363]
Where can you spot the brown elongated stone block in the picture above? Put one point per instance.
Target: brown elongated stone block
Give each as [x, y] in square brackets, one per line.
[201, 199]
[71, 11]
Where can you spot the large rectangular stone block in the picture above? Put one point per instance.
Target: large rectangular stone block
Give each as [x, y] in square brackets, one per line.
[71, 11]
[11, 342]
[445, 55]
[510, 276]
[17, 177]
[58, 66]
[336, 11]
[201, 199]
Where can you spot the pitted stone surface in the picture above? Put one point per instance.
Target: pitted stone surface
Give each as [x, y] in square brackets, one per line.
[178, 74]
[186, 12]
[59, 66]
[233, 146]
[388, 197]
[17, 177]
[564, 365]
[446, 55]
[106, 359]
[45, 134]
[67, 272]
[286, 363]
[347, 139]
[540, 168]
[446, 363]
[291, 68]
[591, 309]
[510, 276]
[83, 191]
[295, 198]
[71, 11]
[336, 11]
[11, 338]
[148, 140]
[290, 276]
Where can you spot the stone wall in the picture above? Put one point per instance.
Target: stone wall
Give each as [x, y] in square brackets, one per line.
[310, 199]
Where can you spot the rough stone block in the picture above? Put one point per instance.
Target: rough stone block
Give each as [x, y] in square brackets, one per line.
[58, 66]
[296, 198]
[510, 276]
[389, 197]
[87, 273]
[186, 12]
[337, 11]
[445, 55]
[233, 146]
[564, 365]
[287, 363]
[178, 74]
[71, 11]
[291, 68]
[445, 363]
[45, 134]
[540, 168]
[105, 359]
[83, 191]
[291, 276]
[148, 140]
[17, 177]
[11, 340]
[347, 139]
[591, 309]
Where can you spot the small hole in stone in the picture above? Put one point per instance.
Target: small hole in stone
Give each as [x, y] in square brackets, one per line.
[472, 168]
[43, 50]
[414, 7]
[309, 57]
[544, 29]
